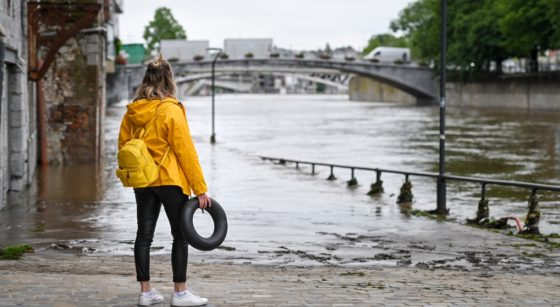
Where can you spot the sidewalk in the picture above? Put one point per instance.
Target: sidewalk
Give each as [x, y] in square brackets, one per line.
[59, 279]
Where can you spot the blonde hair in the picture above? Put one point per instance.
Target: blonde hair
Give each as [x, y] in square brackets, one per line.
[158, 81]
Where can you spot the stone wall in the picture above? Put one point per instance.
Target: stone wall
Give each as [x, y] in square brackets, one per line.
[18, 137]
[75, 98]
[511, 93]
[365, 89]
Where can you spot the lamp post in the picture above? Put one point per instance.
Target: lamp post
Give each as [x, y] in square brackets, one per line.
[216, 56]
[441, 184]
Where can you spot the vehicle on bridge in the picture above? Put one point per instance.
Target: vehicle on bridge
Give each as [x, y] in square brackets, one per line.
[389, 54]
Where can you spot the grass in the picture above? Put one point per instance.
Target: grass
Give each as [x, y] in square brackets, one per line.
[517, 245]
[540, 238]
[15, 252]
[437, 217]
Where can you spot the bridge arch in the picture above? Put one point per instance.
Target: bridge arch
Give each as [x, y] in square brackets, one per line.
[417, 81]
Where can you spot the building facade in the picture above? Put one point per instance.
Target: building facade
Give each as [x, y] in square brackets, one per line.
[241, 48]
[56, 113]
[18, 137]
[185, 50]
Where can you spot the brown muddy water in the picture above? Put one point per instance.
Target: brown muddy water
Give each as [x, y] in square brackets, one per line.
[283, 216]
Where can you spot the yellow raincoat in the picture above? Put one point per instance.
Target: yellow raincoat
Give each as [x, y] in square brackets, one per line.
[168, 128]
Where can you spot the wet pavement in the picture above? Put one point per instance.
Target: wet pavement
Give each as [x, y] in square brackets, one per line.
[282, 216]
[298, 235]
[64, 280]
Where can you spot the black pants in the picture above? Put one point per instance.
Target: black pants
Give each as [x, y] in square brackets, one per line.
[148, 204]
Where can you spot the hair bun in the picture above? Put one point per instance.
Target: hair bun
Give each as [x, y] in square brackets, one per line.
[158, 60]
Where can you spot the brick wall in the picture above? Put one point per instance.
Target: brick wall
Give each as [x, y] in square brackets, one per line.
[75, 98]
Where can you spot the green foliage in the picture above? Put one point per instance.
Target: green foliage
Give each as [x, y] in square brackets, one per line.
[481, 31]
[419, 22]
[529, 26]
[163, 26]
[14, 252]
[118, 45]
[387, 40]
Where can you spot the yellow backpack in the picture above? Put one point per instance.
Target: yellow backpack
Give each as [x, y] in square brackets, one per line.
[137, 167]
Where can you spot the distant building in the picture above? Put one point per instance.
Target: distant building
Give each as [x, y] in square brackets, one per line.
[185, 50]
[136, 53]
[241, 48]
[282, 53]
[345, 53]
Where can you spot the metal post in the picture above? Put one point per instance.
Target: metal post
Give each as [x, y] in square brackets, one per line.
[213, 136]
[441, 185]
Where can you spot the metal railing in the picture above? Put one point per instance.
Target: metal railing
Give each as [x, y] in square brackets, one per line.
[377, 185]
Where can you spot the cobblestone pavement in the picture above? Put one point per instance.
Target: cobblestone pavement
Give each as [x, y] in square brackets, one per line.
[58, 279]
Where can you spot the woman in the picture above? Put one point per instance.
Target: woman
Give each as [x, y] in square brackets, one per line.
[163, 118]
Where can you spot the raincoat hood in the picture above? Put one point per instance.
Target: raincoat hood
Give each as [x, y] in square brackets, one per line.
[142, 111]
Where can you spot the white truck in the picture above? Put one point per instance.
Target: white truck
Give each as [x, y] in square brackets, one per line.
[389, 54]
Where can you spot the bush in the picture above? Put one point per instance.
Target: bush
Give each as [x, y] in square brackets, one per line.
[349, 58]
[198, 57]
[15, 252]
[374, 60]
[249, 55]
[275, 55]
[398, 61]
[224, 56]
[300, 55]
[325, 56]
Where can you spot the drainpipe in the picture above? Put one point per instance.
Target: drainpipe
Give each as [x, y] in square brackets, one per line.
[41, 118]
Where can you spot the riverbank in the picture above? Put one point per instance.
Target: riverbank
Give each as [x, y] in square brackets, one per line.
[48, 279]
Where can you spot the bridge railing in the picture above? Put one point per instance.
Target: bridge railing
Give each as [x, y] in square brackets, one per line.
[482, 217]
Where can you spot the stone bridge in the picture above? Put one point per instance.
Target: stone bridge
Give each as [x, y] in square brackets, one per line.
[415, 80]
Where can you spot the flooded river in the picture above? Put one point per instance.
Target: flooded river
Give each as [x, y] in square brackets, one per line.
[276, 210]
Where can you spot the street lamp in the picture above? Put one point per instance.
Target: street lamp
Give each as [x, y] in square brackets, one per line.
[441, 184]
[216, 56]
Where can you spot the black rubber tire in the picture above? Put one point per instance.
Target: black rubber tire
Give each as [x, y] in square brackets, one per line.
[197, 241]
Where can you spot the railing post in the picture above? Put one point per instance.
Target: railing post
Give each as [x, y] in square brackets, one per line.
[353, 181]
[331, 176]
[377, 186]
[533, 215]
[405, 195]
[483, 211]
[312, 168]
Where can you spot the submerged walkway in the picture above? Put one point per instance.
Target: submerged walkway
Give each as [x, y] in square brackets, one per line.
[67, 280]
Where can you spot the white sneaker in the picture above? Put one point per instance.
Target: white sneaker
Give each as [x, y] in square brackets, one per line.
[150, 298]
[187, 298]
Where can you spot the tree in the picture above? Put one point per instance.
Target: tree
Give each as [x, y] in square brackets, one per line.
[529, 27]
[387, 40]
[474, 36]
[419, 22]
[163, 26]
[482, 31]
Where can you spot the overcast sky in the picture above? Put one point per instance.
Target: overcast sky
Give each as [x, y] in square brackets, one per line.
[295, 24]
